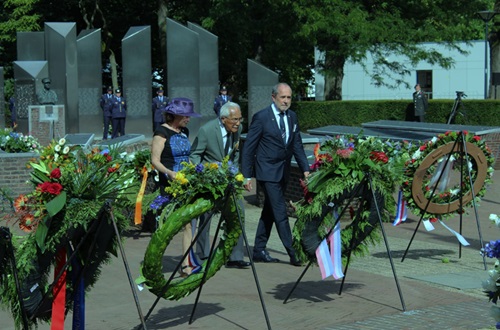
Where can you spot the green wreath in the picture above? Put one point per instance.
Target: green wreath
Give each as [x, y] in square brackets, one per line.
[152, 267]
[341, 165]
[70, 188]
[427, 162]
[196, 189]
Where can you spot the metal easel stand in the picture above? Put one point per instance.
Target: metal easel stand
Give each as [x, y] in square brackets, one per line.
[125, 263]
[363, 184]
[6, 236]
[462, 150]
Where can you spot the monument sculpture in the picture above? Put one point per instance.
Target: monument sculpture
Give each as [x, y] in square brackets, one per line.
[46, 96]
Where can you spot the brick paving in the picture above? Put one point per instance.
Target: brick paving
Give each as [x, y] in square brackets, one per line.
[369, 298]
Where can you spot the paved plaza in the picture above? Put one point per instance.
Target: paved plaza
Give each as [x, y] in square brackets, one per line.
[440, 285]
[439, 289]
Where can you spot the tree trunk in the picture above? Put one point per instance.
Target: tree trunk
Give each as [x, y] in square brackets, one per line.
[494, 40]
[334, 74]
[114, 69]
[162, 31]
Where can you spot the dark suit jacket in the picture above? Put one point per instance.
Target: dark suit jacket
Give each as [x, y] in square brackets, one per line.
[421, 104]
[219, 102]
[265, 155]
[208, 146]
[104, 104]
[117, 108]
[158, 107]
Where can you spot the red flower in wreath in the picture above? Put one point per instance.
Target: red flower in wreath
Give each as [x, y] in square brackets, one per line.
[52, 188]
[55, 174]
[379, 156]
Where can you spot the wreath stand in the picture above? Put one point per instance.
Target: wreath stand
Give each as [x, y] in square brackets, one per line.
[229, 192]
[95, 226]
[456, 106]
[6, 249]
[459, 146]
[367, 180]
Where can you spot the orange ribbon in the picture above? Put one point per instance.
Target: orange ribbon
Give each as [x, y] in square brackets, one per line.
[138, 201]
[59, 292]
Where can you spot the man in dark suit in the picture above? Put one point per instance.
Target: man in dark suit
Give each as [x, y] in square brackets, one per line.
[106, 111]
[272, 139]
[118, 108]
[221, 100]
[420, 102]
[216, 139]
[159, 105]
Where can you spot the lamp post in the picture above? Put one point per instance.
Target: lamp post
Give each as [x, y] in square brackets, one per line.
[486, 16]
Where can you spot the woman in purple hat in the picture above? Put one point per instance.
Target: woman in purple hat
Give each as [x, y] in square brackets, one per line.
[171, 147]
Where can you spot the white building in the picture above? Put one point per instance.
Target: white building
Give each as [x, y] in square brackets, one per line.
[467, 75]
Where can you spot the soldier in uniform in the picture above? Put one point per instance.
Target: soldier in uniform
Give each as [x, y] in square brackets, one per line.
[46, 96]
[420, 102]
[158, 107]
[220, 100]
[106, 111]
[118, 109]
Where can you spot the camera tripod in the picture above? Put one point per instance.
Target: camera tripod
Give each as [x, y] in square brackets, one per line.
[458, 107]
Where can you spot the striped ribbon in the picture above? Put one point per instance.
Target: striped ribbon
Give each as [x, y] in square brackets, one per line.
[402, 210]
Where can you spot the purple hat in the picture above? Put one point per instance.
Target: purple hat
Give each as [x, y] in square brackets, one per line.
[181, 106]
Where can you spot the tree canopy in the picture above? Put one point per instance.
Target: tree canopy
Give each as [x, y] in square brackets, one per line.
[280, 34]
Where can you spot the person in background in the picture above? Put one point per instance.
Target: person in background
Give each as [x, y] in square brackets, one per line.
[106, 113]
[221, 99]
[217, 139]
[420, 102]
[169, 149]
[118, 108]
[46, 96]
[13, 113]
[158, 107]
[272, 139]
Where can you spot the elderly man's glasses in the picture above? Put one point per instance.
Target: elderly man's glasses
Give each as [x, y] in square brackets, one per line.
[235, 120]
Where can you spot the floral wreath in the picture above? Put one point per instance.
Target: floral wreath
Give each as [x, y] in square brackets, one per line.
[195, 190]
[443, 154]
[71, 186]
[341, 164]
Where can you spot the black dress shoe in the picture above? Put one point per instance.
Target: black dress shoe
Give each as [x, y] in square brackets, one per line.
[263, 256]
[295, 262]
[237, 264]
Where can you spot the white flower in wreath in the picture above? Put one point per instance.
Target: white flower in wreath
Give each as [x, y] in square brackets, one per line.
[56, 156]
[417, 154]
[66, 150]
[494, 218]
[434, 140]
[57, 148]
[454, 192]
[62, 141]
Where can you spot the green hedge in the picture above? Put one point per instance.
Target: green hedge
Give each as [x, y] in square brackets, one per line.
[354, 113]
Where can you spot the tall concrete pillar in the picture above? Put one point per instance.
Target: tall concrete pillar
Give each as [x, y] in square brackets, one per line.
[61, 53]
[261, 81]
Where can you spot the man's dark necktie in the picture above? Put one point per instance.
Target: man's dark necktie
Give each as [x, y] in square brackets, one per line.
[282, 126]
[228, 144]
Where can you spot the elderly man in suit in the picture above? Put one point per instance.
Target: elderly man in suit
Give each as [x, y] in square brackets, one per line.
[215, 140]
[272, 139]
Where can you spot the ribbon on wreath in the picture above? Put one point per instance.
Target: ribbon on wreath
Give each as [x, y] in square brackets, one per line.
[429, 227]
[79, 296]
[59, 292]
[140, 195]
[401, 211]
[330, 260]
